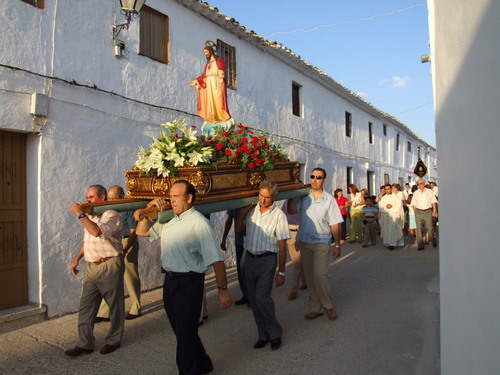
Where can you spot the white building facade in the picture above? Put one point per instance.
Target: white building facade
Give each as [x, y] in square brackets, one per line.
[78, 113]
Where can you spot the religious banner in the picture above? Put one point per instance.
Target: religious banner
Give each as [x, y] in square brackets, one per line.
[420, 169]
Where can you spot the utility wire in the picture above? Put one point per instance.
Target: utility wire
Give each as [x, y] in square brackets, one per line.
[344, 22]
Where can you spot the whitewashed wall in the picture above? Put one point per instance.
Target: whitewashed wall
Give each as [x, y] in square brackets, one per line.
[465, 56]
[92, 135]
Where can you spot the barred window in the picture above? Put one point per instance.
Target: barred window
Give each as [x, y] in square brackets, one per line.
[348, 124]
[296, 99]
[228, 54]
[370, 133]
[154, 35]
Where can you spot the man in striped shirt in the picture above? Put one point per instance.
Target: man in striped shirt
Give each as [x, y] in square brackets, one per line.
[265, 248]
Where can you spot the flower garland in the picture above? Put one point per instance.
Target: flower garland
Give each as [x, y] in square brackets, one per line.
[180, 147]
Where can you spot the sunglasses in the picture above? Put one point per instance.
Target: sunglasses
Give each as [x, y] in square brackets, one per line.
[316, 177]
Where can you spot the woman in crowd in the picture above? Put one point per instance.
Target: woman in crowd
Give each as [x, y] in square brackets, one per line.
[357, 201]
[342, 203]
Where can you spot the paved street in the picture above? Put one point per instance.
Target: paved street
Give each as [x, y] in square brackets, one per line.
[388, 324]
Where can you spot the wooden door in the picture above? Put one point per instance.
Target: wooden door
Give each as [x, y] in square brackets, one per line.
[13, 249]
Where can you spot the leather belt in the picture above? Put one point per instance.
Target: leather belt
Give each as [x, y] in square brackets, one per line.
[180, 274]
[260, 255]
[102, 260]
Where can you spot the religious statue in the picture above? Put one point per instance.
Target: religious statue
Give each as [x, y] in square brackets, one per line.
[212, 93]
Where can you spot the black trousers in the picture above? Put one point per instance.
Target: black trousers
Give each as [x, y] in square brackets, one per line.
[182, 299]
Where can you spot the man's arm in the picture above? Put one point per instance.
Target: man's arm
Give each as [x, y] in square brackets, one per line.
[143, 225]
[76, 260]
[335, 228]
[291, 206]
[225, 298]
[91, 227]
[130, 240]
[434, 210]
[280, 275]
[227, 228]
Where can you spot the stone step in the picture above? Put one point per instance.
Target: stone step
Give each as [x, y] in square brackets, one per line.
[22, 316]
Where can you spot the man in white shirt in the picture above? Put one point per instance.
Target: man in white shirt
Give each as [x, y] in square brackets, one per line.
[424, 204]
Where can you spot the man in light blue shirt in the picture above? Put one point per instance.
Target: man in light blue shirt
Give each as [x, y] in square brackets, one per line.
[265, 247]
[320, 219]
[188, 248]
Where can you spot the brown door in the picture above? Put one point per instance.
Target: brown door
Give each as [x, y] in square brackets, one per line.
[13, 253]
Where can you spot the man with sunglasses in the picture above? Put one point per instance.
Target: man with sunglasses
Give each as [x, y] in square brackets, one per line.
[320, 218]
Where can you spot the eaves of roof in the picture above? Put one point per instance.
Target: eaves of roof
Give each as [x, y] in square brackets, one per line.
[290, 58]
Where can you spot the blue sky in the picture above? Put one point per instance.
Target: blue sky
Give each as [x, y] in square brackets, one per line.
[371, 47]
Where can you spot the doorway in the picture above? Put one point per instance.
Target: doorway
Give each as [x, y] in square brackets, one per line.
[13, 243]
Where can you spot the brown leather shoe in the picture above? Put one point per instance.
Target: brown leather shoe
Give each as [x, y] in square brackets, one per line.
[106, 349]
[76, 351]
[292, 295]
[313, 315]
[331, 313]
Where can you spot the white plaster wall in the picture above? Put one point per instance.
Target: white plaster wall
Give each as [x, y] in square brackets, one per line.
[465, 57]
[92, 136]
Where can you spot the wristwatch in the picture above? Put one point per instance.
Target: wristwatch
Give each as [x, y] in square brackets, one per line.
[81, 216]
[281, 273]
[337, 246]
[222, 287]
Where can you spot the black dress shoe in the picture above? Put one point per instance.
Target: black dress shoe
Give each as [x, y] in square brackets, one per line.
[259, 344]
[241, 301]
[132, 316]
[106, 349]
[420, 248]
[76, 351]
[391, 247]
[276, 343]
[434, 242]
[100, 319]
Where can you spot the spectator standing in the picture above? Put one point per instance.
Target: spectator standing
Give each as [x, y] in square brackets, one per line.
[342, 203]
[370, 226]
[357, 202]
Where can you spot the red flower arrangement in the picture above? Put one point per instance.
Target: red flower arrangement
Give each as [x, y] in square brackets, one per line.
[240, 145]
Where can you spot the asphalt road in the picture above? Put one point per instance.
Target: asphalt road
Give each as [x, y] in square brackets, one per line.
[388, 323]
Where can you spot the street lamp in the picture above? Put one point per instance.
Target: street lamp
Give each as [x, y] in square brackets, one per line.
[130, 9]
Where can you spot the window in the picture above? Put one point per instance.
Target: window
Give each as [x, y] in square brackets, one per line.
[370, 133]
[350, 177]
[348, 124]
[409, 146]
[228, 54]
[37, 3]
[386, 179]
[384, 129]
[418, 152]
[397, 142]
[296, 88]
[154, 35]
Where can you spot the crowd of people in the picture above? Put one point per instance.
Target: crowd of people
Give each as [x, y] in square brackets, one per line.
[396, 214]
[312, 228]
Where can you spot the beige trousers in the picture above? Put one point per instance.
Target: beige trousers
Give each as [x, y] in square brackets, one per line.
[315, 259]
